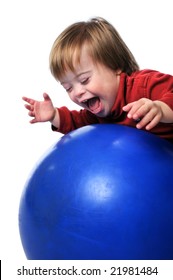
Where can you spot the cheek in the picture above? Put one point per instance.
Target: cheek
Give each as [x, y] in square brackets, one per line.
[72, 98]
[95, 88]
[71, 95]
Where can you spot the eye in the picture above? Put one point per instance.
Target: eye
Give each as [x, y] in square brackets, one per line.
[85, 81]
[68, 89]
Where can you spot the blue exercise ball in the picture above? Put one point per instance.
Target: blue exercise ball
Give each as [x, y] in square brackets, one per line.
[103, 192]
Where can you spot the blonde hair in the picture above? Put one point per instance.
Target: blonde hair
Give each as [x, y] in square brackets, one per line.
[103, 42]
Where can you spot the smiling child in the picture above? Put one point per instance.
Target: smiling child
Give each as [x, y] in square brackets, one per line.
[100, 74]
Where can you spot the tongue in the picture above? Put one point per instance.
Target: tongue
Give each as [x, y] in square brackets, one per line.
[93, 103]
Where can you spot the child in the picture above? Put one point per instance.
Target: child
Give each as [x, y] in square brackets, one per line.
[100, 74]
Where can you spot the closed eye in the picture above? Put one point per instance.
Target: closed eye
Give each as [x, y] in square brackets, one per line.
[85, 81]
[68, 89]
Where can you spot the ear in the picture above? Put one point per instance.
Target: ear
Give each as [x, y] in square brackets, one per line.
[118, 72]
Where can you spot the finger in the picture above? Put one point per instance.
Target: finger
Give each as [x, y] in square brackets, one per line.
[153, 123]
[46, 97]
[24, 98]
[33, 121]
[31, 114]
[140, 112]
[144, 121]
[127, 107]
[28, 100]
[148, 121]
[133, 111]
[28, 107]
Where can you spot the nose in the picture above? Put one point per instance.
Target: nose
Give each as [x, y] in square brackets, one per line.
[78, 92]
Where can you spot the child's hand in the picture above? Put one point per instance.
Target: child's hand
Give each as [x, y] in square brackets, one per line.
[148, 112]
[40, 111]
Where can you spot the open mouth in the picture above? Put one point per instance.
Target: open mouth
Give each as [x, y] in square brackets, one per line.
[93, 104]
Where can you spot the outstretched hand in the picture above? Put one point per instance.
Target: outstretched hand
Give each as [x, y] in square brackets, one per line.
[40, 111]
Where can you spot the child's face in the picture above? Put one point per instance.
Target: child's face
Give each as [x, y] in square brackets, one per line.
[92, 86]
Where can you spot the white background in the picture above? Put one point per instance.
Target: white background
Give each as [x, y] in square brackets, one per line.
[27, 32]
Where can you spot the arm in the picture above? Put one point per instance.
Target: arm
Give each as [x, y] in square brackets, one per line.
[157, 102]
[42, 111]
[73, 119]
[62, 119]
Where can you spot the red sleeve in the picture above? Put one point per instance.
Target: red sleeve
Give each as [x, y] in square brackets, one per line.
[71, 120]
[160, 87]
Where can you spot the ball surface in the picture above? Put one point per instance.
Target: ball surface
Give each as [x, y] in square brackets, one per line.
[102, 192]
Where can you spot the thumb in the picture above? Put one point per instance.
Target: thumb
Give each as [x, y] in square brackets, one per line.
[46, 97]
